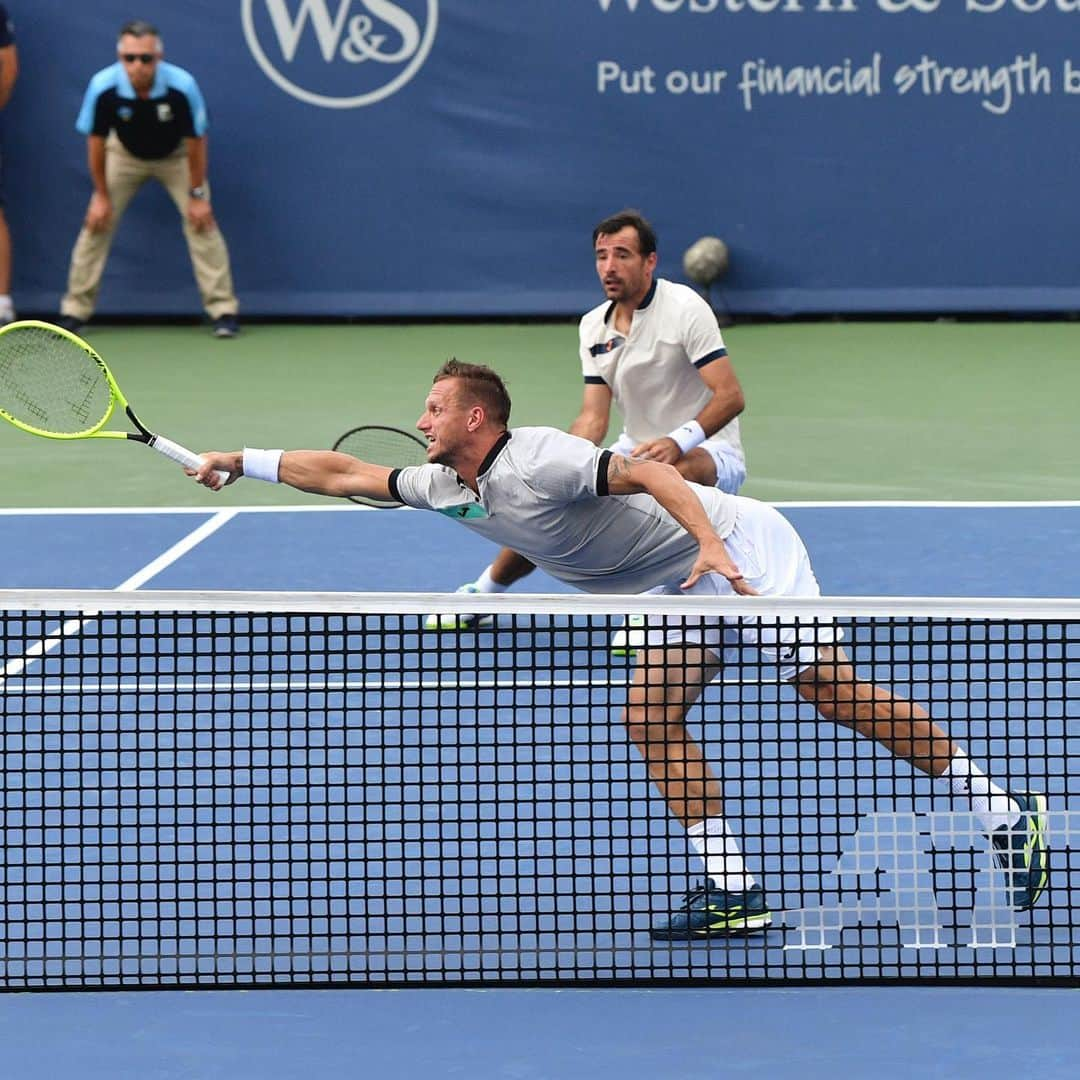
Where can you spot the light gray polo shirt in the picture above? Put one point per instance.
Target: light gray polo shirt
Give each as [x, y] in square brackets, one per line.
[543, 493]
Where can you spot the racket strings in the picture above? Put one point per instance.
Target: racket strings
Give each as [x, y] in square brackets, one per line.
[377, 447]
[51, 384]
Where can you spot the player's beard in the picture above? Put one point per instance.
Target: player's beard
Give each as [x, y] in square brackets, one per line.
[622, 289]
[445, 453]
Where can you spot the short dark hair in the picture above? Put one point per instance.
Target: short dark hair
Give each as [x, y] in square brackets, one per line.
[482, 384]
[139, 28]
[633, 219]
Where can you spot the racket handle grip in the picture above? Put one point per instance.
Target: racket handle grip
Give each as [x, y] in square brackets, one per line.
[182, 454]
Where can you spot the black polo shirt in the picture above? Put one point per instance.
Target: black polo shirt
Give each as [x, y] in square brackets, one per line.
[149, 128]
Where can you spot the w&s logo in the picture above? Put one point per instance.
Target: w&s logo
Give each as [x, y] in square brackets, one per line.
[340, 54]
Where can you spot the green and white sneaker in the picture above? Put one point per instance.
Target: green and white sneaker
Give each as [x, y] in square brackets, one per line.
[709, 912]
[459, 622]
[1021, 851]
[629, 637]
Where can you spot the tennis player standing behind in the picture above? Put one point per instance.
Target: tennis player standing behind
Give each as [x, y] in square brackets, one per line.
[607, 523]
[652, 347]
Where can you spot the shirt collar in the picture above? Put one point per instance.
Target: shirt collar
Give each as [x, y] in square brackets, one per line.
[126, 90]
[646, 300]
[492, 454]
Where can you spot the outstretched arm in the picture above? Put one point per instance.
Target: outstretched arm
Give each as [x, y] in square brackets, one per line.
[629, 476]
[322, 472]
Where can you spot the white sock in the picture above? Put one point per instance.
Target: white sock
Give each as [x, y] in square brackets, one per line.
[485, 583]
[989, 803]
[719, 850]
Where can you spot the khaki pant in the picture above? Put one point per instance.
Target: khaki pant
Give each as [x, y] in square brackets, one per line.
[124, 175]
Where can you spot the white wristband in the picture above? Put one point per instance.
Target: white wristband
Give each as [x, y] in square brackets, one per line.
[688, 435]
[262, 464]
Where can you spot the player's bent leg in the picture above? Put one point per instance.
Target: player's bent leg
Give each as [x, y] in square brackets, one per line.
[666, 684]
[698, 467]
[903, 728]
[1021, 851]
[728, 465]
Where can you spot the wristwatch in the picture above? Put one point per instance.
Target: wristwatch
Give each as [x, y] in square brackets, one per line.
[197, 192]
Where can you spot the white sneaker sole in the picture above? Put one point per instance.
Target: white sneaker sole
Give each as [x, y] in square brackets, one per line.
[629, 638]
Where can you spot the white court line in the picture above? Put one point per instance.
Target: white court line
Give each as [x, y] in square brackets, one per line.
[205, 684]
[339, 508]
[18, 665]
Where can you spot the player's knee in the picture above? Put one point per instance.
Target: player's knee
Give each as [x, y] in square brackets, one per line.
[698, 467]
[652, 724]
[831, 699]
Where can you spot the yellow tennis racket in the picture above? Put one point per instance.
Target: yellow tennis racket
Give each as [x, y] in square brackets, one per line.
[52, 383]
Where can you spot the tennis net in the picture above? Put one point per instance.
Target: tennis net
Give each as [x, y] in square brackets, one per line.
[229, 789]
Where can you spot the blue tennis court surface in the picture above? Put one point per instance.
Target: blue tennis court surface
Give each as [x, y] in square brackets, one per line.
[958, 550]
[955, 551]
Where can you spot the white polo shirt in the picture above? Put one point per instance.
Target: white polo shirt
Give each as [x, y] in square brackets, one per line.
[539, 491]
[653, 371]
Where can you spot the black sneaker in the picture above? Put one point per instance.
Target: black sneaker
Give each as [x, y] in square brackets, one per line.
[226, 326]
[1021, 851]
[69, 323]
[707, 912]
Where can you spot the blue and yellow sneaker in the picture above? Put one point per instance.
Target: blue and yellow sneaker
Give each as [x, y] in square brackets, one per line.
[1021, 851]
[708, 911]
[459, 622]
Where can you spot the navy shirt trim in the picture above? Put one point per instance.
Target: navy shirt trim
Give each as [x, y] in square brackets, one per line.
[391, 482]
[493, 453]
[602, 465]
[708, 358]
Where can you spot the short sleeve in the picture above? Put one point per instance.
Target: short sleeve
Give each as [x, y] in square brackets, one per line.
[428, 487]
[702, 339]
[566, 468]
[93, 119]
[200, 120]
[177, 78]
[588, 362]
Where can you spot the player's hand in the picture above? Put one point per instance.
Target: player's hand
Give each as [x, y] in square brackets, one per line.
[199, 215]
[98, 213]
[714, 559]
[664, 450]
[214, 464]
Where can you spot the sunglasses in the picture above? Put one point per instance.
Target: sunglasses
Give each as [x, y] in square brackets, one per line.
[130, 57]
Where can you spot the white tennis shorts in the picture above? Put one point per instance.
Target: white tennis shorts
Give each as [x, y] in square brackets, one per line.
[730, 467]
[772, 557]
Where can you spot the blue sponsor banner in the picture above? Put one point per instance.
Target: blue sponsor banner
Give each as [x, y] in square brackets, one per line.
[450, 157]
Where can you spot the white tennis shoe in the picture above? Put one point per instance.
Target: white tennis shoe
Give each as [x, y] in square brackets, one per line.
[459, 622]
[629, 637]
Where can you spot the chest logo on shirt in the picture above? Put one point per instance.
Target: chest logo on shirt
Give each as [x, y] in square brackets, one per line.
[125, 112]
[164, 112]
[463, 512]
[607, 346]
